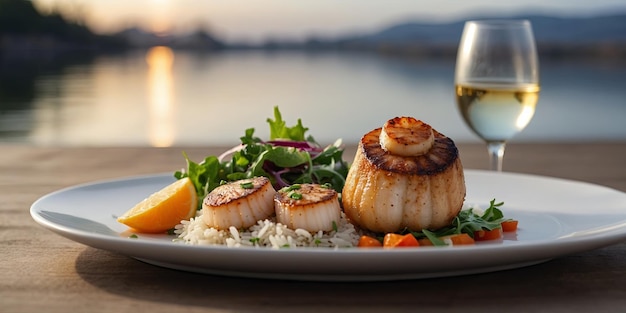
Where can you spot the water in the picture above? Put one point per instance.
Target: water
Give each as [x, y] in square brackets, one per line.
[165, 98]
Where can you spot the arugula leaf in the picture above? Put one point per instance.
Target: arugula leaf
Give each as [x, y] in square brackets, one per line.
[205, 176]
[285, 157]
[493, 212]
[249, 138]
[279, 130]
[434, 238]
[467, 221]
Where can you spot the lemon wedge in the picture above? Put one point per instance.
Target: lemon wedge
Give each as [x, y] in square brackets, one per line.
[163, 209]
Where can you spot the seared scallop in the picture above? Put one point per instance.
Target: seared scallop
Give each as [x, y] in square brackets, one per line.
[405, 175]
[239, 204]
[307, 206]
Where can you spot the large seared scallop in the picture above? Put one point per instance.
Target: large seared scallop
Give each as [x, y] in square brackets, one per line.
[405, 175]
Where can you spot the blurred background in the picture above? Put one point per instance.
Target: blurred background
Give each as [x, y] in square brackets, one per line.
[175, 73]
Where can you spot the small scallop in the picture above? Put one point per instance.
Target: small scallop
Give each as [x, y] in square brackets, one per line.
[239, 204]
[311, 207]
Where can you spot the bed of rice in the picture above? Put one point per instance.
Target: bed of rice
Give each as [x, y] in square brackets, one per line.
[266, 233]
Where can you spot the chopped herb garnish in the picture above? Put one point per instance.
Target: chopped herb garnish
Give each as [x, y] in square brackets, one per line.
[247, 185]
[255, 240]
[134, 236]
[335, 228]
[293, 187]
[295, 195]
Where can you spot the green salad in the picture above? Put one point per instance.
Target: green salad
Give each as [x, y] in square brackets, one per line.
[288, 157]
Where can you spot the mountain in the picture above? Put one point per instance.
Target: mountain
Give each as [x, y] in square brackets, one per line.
[546, 29]
[599, 36]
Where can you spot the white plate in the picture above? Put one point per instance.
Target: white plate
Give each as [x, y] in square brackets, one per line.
[556, 217]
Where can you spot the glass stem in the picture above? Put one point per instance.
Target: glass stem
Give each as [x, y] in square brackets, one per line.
[496, 154]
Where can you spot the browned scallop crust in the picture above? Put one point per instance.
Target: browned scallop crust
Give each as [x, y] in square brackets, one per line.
[442, 155]
[239, 204]
[230, 192]
[311, 194]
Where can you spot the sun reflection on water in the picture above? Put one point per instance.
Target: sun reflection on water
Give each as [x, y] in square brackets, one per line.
[161, 94]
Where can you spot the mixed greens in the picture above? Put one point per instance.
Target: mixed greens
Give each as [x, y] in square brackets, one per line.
[467, 222]
[287, 158]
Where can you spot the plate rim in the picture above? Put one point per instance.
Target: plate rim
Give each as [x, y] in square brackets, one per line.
[126, 245]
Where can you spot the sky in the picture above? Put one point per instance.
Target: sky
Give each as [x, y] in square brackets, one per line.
[249, 20]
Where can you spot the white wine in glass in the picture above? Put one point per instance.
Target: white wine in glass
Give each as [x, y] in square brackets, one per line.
[497, 81]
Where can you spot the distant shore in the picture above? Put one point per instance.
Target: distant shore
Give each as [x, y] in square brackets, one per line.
[35, 47]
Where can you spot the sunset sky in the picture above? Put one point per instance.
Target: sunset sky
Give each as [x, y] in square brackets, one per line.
[236, 20]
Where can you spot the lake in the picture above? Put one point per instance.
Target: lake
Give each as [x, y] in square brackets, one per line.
[162, 97]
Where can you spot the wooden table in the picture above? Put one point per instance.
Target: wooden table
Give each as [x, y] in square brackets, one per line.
[43, 272]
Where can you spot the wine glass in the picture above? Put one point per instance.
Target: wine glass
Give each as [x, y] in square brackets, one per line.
[497, 81]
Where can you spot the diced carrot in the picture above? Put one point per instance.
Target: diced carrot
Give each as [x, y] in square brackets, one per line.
[409, 241]
[493, 234]
[392, 240]
[460, 239]
[509, 226]
[425, 242]
[369, 242]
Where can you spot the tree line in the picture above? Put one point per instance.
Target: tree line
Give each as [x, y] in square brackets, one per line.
[20, 19]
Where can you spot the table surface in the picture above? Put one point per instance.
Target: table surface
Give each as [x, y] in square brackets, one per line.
[42, 271]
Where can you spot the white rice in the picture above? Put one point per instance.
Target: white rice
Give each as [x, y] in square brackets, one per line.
[266, 233]
[270, 234]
